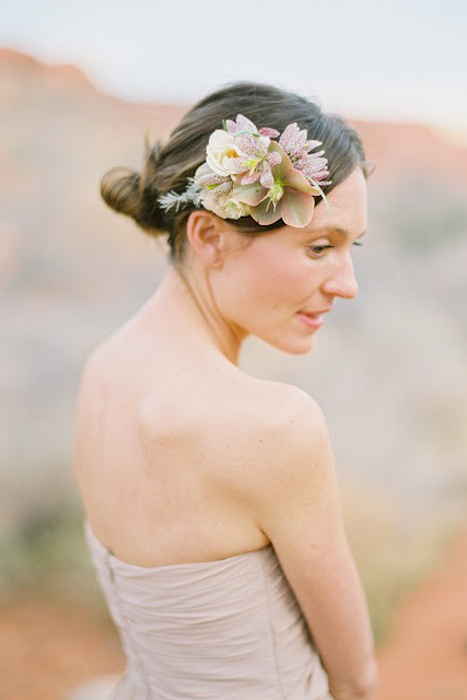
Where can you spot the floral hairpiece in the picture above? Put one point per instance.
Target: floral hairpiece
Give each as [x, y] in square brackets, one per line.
[246, 173]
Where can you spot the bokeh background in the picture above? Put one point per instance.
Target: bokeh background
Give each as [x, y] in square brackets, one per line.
[79, 85]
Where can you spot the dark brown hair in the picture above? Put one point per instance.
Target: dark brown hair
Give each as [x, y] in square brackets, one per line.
[167, 166]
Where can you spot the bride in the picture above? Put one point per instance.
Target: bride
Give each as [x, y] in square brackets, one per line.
[212, 508]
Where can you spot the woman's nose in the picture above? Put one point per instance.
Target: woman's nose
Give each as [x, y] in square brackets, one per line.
[341, 282]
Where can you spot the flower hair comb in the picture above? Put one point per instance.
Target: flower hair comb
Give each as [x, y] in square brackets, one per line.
[247, 173]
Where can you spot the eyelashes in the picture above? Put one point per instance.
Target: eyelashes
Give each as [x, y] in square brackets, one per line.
[318, 250]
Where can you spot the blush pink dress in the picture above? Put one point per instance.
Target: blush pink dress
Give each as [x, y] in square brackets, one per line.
[229, 629]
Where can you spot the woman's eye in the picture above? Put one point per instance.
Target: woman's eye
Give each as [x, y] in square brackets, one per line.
[318, 250]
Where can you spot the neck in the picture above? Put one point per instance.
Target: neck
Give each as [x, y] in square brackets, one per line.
[185, 300]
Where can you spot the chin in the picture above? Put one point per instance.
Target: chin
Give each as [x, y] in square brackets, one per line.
[292, 346]
[300, 349]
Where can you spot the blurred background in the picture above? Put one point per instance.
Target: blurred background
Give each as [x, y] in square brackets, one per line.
[79, 84]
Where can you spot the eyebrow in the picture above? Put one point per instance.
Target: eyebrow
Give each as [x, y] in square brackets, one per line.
[335, 229]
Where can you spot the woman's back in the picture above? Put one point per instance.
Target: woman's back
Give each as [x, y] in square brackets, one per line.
[194, 586]
[166, 442]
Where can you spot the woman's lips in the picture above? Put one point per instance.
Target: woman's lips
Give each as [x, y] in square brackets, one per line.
[311, 320]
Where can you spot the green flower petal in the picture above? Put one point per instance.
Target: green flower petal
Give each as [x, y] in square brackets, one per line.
[297, 208]
[297, 181]
[279, 171]
[265, 216]
[249, 194]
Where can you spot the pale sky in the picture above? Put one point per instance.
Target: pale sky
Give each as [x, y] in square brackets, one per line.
[400, 60]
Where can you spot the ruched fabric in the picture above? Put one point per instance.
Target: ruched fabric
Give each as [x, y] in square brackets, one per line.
[229, 629]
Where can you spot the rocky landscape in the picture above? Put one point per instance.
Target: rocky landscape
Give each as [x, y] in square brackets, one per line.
[389, 370]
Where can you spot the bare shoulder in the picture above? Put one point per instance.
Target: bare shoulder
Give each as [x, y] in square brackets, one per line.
[89, 400]
[301, 413]
[297, 505]
[290, 450]
[278, 416]
[292, 483]
[294, 429]
[97, 366]
[281, 396]
[98, 373]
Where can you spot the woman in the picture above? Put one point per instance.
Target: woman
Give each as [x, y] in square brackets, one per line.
[212, 508]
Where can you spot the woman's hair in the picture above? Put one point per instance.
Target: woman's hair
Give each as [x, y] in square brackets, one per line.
[168, 166]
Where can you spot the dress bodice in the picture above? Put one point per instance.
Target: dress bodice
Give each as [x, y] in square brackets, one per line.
[229, 629]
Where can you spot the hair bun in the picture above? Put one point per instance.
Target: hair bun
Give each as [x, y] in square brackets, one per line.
[120, 189]
[135, 195]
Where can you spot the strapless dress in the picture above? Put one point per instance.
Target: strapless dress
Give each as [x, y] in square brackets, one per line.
[229, 629]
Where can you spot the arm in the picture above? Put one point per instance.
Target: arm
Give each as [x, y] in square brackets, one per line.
[298, 507]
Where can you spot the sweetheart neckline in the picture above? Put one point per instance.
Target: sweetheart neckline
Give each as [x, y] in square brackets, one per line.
[190, 564]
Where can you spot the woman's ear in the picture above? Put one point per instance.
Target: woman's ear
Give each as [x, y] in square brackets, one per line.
[204, 232]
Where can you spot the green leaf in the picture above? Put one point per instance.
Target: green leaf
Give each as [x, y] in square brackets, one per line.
[320, 191]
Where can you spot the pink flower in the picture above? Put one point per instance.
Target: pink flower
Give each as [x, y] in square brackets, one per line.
[259, 160]
[295, 144]
[314, 168]
[244, 124]
[246, 173]
[290, 197]
[254, 145]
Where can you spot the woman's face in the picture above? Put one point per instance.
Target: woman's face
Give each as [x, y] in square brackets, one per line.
[264, 287]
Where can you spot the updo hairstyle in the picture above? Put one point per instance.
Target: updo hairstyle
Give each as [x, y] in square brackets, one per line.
[167, 166]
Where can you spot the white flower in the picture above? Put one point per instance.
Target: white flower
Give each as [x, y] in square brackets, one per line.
[223, 155]
[234, 209]
[224, 205]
